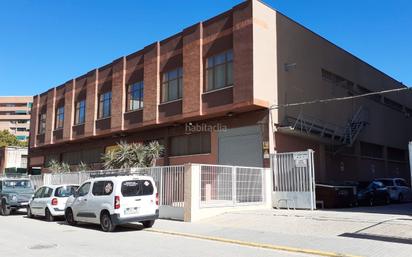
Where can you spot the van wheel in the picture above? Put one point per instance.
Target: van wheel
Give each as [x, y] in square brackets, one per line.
[49, 216]
[29, 213]
[148, 223]
[400, 198]
[70, 217]
[5, 211]
[106, 222]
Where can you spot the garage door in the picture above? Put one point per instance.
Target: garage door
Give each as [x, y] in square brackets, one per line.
[241, 147]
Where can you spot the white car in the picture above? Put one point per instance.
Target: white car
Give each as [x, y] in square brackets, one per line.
[398, 189]
[114, 200]
[49, 201]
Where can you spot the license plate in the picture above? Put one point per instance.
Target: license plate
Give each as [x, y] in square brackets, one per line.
[134, 210]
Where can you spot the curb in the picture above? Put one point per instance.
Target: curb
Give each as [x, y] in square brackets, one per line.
[253, 244]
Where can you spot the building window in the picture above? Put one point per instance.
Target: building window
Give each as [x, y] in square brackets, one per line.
[105, 105]
[60, 117]
[371, 150]
[42, 123]
[219, 71]
[80, 112]
[172, 84]
[135, 96]
[190, 144]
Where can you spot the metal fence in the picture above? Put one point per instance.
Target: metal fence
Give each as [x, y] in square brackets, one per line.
[294, 180]
[168, 179]
[231, 185]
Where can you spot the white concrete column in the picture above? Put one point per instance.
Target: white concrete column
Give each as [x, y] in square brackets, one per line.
[268, 186]
[192, 191]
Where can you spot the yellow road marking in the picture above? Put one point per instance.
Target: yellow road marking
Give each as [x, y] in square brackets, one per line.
[253, 244]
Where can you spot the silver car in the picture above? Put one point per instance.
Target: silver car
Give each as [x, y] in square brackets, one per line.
[398, 188]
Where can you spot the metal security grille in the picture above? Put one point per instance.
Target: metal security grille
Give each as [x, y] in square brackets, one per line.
[293, 180]
[230, 185]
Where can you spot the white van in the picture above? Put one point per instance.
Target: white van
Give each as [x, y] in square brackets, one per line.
[114, 200]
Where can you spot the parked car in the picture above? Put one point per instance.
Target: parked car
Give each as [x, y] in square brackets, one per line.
[114, 200]
[372, 193]
[15, 194]
[398, 188]
[50, 201]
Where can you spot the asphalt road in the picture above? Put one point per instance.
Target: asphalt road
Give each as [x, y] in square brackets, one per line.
[21, 236]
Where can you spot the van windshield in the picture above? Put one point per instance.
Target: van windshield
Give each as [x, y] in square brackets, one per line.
[65, 191]
[19, 184]
[137, 188]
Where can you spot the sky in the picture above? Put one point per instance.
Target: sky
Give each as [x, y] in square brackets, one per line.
[46, 43]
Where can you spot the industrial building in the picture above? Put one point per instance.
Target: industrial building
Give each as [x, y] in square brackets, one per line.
[215, 93]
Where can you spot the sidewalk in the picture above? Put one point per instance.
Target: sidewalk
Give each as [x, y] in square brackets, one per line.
[368, 231]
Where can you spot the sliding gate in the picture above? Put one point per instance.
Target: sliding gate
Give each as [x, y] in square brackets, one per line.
[293, 180]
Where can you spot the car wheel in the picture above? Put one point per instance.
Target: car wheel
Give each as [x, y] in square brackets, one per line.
[106, 223]
[371, 202]
[148, 223]
[29, 213]
[70, 217]
[4, 210]
[49, 216]
[400, 198]
[387, 199]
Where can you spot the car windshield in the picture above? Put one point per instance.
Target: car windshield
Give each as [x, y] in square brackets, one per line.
[17, 184]
[65, 191]
[386, 182]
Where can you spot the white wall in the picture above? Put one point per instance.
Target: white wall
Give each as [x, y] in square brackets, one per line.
[14, 157]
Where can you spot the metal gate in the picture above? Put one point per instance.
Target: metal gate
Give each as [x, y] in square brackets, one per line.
[293, 180]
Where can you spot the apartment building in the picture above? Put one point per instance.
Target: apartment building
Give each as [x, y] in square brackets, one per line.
[15, 115]
[215, 93]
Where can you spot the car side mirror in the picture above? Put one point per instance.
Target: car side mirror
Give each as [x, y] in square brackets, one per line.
[76, 194]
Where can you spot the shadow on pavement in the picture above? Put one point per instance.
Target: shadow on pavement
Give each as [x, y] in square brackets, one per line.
[393, 209]
[390, 239]
[120, 228]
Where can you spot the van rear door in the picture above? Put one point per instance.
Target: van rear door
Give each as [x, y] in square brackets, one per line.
[138, 198]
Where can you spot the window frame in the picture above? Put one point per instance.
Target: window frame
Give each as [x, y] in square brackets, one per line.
[228, 62]
[166, 83]
[42, 123]
[59, 118]
[131, 96]
[105, 98]
[104, 182]
[205, 147]
[78, 190]
[80, 106]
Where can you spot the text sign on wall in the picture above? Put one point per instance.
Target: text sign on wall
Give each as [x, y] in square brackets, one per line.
[301, 159]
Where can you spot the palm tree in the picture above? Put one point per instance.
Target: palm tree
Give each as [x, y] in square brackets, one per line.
[82, 166]
[132, 155]
[54, 166]
[65, 167]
